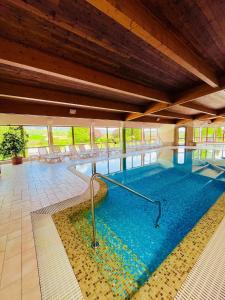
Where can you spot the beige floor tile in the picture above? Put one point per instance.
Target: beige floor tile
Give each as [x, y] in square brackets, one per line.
[12, 291]
[3, 243]
[33, 294]
[14, 234]
[29, 261]
[11, 270]
[2, 256]
[29, 281]
[13, 247]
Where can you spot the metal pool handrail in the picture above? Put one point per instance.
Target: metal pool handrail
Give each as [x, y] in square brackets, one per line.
[95, 243]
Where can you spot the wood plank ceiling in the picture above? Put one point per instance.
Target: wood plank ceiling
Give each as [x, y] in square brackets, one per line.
[146, 60]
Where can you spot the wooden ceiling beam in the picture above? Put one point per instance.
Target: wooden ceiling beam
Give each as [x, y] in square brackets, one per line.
[135, 18]
[24, 108]
[201, 108]
[156, 119]
[25, 58]
[219, 120]
[205, 117]
[185, 99]
[171, 114]
[198, 92]
[42, 95]
[217, 114]
[36, 109]
[182, 122]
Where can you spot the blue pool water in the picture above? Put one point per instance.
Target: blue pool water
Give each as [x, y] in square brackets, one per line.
[185, 195]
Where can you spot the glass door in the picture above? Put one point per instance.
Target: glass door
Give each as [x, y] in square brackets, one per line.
[181, 136]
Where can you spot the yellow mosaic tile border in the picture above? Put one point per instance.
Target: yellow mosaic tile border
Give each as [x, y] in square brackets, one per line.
[169, 276]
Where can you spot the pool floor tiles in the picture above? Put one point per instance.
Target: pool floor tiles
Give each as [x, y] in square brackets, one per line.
[107, 274]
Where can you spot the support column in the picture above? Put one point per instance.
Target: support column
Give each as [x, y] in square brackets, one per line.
[73, 140]
[50, 138]
[124, 143]
[189, 136]
[92, 135]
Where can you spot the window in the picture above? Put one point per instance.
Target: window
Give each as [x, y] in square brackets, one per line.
[196, 134]
[150, 135]
[62, 136]
[114, 137]
[210, 134]
[133, 135]
[181, 135]
[37, 137]
[203, 134]
[219, 134]
[82, 135]
[147, 135]
[100, 136]
[107, 137]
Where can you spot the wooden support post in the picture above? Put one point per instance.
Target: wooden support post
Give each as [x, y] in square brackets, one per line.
[50, 138]
[124, 148]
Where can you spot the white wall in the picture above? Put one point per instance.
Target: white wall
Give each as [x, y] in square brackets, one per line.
[167, 133]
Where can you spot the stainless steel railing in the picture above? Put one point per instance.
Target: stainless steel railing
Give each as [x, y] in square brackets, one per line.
[95, 243]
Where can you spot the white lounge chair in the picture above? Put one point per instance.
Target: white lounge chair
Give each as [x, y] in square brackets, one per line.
[48, 157]
[72, 153]
[83, 152]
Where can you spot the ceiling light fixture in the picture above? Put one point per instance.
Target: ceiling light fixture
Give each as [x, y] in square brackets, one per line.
[73, 111]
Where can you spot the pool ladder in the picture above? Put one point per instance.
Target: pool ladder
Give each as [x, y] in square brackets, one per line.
[95, 243]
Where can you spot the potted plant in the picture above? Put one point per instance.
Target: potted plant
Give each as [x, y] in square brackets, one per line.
[13, 144]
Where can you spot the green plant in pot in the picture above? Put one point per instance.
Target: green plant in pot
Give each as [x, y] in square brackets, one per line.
[13, 144]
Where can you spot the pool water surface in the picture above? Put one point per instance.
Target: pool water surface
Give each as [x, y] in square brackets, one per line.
[125, 222]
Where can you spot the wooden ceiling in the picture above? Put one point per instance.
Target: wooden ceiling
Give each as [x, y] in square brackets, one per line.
[146, 60]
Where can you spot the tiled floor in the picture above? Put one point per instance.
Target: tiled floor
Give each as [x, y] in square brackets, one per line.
[23, 189]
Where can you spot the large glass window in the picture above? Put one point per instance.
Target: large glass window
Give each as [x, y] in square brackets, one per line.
[62, 136]
[154, 135]
[150, 135]
[133, 135]
[196, 134]
[181, 136]
[107, 137]
[100, 136]
[114, 137]
[82, 135]
[210, 134]
[203, 134]
[219, 134]
[37, 136]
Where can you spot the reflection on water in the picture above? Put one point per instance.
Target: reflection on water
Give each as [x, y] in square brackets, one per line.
[180, 158]
[118, 164]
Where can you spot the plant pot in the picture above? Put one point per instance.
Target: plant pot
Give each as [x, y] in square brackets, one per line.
[17, 160]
